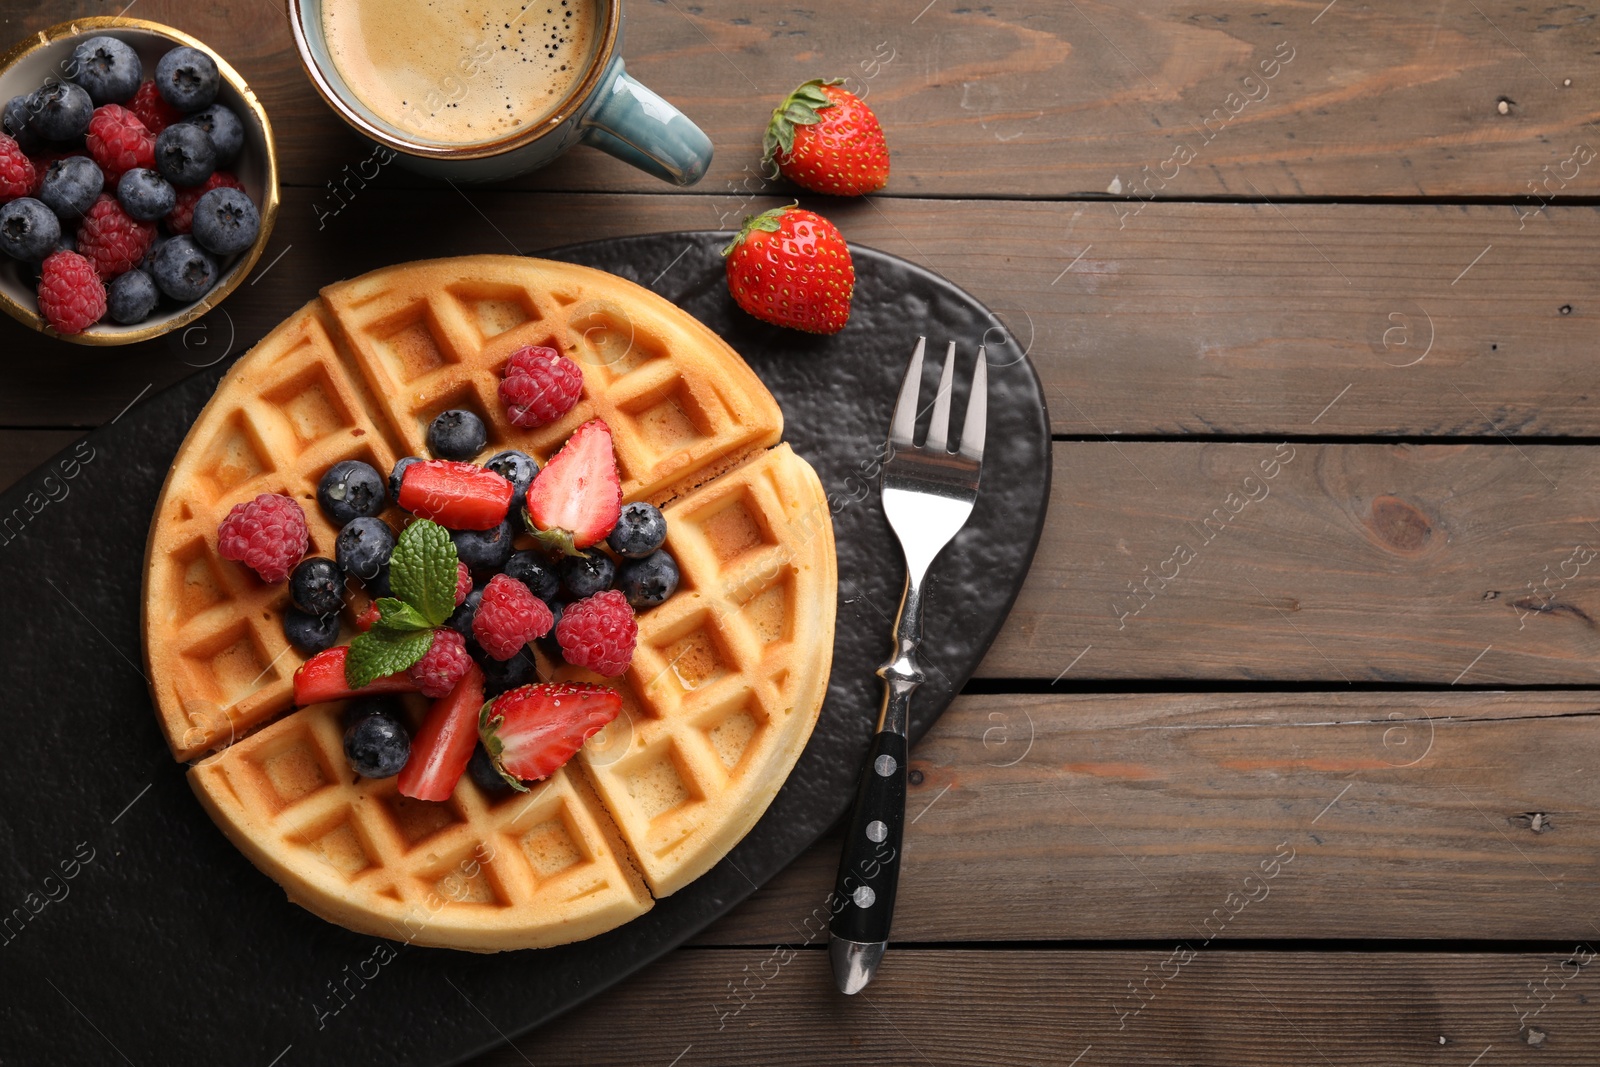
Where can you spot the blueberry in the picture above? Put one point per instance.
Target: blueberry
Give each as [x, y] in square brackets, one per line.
[456, 434]
[484, 776]
[14, 120]
[185, 155]
[188, 79]
[377, 745]
[60, 111]
[519, 469]
[351, 490]
[500, 676]
[148, 263]
[184, 270]
[535, 572]
[317, 586]
[460, 620]
[399, 473]
[484, 550]
[640, 530]
[222, 125]
[146, 195]
[363, 549]
[378, 585]
[310, 633]
[226, 221]
[131, 297]
[107, 69]
[649, 581]
[29, 231]
[587, 573]
[70, 186]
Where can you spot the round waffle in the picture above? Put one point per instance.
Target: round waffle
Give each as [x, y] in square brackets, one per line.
[728, 676]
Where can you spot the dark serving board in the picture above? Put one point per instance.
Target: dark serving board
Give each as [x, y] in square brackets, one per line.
[133, 931]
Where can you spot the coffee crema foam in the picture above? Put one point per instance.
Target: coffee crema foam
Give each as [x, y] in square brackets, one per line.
[460, 73]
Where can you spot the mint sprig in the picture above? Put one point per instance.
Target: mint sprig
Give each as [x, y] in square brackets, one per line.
[422, 575]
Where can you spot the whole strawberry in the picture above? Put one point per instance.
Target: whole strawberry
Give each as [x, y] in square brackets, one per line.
[791, 267]
[827, 139]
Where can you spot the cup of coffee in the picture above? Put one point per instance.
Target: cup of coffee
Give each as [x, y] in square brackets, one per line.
[487, 90]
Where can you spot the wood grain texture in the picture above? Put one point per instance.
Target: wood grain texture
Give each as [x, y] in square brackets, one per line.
[1336, 320]
[1135, 816]
[1222, 1009]
[1336, 563]
[1022, 99]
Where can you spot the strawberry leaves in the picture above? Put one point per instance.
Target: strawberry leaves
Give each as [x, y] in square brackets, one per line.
[422, 575]
[799, 108]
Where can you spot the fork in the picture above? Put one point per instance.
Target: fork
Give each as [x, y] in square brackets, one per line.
[928, 493]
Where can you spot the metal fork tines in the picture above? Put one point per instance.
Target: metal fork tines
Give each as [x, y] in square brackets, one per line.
[928, 495]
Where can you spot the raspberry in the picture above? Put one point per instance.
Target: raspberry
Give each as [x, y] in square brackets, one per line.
[267, 534]
[41, 164]
[112, 239]
[540, 385]
[71, 296]
[119, 142]
[152, 110]
[463, 583]
[366, 619]
[17, 176]
[599, 633]
[181, 220]
[509, 616]
[442, 666]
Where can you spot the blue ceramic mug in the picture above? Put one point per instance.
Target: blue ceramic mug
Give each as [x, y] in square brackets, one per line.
[605, 107]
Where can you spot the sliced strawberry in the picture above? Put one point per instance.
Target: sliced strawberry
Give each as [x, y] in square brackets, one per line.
[575, 501]
[457, 496]
[532, 731]
[366, 620]
[322, 678]
[443, 747]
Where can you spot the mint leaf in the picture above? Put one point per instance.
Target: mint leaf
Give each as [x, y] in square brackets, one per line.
[422, 571]
[378, 653]
[398, 617]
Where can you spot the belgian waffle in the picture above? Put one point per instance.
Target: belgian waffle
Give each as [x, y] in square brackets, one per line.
[726, 682]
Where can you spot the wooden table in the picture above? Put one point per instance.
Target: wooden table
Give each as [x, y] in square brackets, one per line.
[1287, 753]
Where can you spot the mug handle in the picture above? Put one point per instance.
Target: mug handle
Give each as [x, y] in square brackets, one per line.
[631, 122]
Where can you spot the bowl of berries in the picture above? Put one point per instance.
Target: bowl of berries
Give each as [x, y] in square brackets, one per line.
[138, 180]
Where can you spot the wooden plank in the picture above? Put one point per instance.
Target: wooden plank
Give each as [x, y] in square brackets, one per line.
[1335, 563]
[1328, 815]
[21, 451]
[1216, 1009]
[1191, 319]
[1015, 99]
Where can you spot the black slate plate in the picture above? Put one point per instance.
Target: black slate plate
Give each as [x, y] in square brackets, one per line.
[132, 929]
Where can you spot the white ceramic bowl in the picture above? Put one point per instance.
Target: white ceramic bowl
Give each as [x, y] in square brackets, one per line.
[44, 55]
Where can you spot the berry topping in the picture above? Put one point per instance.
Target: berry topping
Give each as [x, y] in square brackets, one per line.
[29, 230]
[185, 155]
[377, 745]
[367, 618]
[181, 221]
[599, 633]
[443, 746]
[267, 534]
[456, 434]
[350, 490]
[484, 550]
[535, 572]
[519, 469]
[71, 296]
[531, 732]
[317, 586]
[70, 187]
[322, 678]
[310, 633]
[459, 496]
[108, 69]
[587, 573]
[363, 549]
[649, 581]
[112, 240]
[119, 142]
[226, 221]
[508, 617]
[640, 530]
[539, 386]
[17, 177]
[442, 666]
[188, 78]
[398, 473]
[575, 500]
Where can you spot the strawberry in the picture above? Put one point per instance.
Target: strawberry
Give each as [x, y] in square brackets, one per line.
[458, 496]
[322, 678]
[827, 139]
[790, 267]
[576, 500]
[443, 747]
[531, 732]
